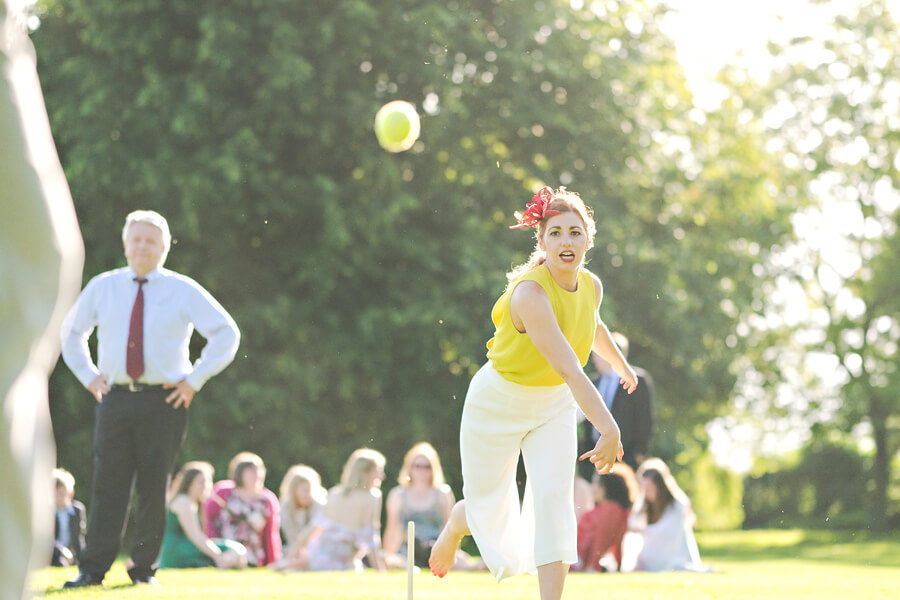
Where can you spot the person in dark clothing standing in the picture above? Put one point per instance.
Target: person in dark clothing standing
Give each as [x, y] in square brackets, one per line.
[143, 383]
[634, 413]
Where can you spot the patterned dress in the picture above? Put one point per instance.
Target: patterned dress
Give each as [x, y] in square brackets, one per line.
[339, 548]
[244, 520]
[296, 521]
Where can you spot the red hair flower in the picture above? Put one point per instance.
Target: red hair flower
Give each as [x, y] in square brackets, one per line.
[536, 209]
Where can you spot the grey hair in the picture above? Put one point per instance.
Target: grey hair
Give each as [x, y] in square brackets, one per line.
[151, 217]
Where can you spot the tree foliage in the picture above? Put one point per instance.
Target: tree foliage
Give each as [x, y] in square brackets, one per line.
[832, 123]
[362, 281]
[826, 487]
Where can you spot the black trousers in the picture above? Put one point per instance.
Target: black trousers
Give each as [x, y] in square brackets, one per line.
[136, 439]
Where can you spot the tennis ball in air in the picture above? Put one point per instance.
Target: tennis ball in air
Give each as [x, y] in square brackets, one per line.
[397, 126]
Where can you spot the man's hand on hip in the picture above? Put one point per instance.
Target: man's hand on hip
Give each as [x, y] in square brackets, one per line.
[182, 393]
[98, 387]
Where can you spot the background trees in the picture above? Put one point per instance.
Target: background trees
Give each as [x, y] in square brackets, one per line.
[830, 112]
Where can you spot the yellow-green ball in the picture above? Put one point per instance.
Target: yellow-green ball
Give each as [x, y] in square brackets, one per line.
[397, 126]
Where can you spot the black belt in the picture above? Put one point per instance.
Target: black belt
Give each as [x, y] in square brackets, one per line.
[136, 387]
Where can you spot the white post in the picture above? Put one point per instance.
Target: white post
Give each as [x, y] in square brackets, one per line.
[410, 557]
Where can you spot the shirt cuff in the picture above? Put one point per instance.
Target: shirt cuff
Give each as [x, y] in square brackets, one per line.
[87, 375]
[195, 380]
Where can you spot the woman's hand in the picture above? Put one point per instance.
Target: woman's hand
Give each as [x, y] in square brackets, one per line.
[629, 380]
[606, 452]
[222, 561]
[228, 559]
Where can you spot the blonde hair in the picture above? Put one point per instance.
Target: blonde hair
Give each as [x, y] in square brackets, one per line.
[358, 467]
[563, 201]
[296, 475]
[150, 217]
[61, 477]
[426, 451]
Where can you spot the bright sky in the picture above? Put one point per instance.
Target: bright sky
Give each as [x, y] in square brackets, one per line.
[711, 33]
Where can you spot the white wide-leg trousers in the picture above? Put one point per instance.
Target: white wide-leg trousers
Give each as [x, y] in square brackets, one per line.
[501, 419]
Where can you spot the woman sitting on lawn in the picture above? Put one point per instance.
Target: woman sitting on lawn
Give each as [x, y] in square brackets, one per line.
[424, 498]
[302, 499]
[601, 530]
[349, 527]
[244, 510]
[184, 544]
[663, 514]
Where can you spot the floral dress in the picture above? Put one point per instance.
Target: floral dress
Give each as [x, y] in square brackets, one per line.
[339, 548]
[295, 522]
[244, 520]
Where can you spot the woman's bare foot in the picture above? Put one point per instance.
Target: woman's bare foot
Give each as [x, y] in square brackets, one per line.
[443, 552]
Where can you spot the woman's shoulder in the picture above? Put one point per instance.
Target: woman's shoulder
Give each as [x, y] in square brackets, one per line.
[181, 504]
[396, 495]
[287, 508]
[527, 290]
[675, 511]
[270, 497]
[595, 281]
[680, 508]
[616, 509]
[398, 491]
[609, 508]
[223, 487]
[354, 494]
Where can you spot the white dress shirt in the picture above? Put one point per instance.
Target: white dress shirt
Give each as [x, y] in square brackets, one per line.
[173, 306]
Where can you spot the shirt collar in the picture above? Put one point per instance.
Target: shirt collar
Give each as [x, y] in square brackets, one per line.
[152, 275]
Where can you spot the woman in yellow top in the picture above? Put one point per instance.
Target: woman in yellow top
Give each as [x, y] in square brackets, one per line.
[523, 400]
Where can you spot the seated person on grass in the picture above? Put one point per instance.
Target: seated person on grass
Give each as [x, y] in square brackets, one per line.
[70, 521]
[184, 544]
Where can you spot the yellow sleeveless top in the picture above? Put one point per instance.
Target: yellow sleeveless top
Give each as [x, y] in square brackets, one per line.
[514, 355]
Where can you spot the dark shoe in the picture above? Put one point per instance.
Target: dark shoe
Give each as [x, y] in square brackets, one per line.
[146, 580]
[142, 576]
[84, 579]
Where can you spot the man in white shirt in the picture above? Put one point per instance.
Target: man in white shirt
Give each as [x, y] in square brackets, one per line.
[144, 383]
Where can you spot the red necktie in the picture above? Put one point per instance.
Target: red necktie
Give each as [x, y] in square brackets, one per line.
[134, 357]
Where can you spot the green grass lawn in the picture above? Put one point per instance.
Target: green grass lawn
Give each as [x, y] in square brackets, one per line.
[757, 565]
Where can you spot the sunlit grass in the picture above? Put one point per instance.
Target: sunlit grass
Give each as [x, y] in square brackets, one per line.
[748, 565]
